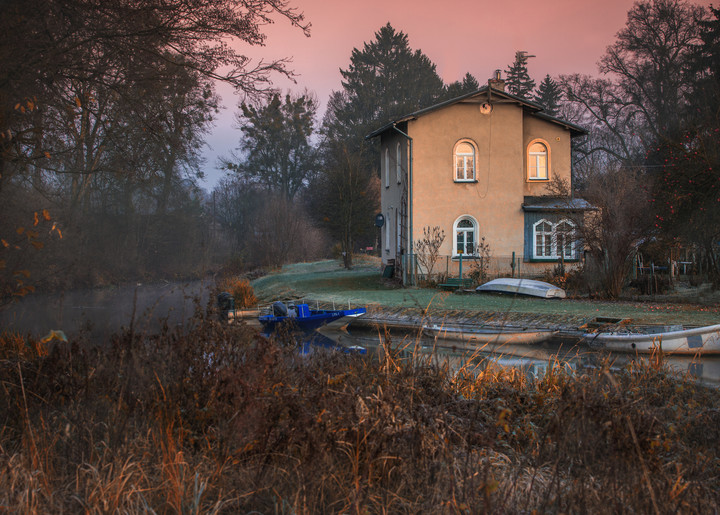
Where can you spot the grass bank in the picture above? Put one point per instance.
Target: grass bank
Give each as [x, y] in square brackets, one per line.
[215, 419]
[327, 281]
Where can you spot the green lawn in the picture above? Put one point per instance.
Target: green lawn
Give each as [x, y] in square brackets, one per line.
[327, 281]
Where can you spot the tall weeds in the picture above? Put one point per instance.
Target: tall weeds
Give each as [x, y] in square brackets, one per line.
[216, 418]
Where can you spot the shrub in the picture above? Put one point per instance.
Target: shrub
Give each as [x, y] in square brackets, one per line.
[242, 292]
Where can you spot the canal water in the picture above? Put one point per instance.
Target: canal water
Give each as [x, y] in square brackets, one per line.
[97, 314]
[531, 360]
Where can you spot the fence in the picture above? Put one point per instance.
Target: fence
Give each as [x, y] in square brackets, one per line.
[420, 268]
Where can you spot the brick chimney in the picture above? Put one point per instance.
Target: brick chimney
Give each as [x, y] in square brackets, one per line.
[497, 82]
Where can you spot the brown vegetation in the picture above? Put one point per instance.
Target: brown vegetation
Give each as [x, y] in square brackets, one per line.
[217, 418]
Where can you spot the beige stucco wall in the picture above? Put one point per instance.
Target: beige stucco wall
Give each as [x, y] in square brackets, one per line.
[495, 199]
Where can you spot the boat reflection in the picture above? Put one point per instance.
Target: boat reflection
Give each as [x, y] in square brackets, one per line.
[531, 360]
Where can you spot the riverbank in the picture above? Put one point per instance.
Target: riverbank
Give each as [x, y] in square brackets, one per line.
[326, 282]
[210, 417]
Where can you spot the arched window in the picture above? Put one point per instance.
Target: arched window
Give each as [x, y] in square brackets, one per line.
[565, 238]
[398, 163]
[464, 236]
[465, 153]
[554, 240]
[537, 160]
[387, 168]
[543, 239]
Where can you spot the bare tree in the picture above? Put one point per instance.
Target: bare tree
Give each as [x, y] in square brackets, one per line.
[427, 249]
[645, 80]
[611, 233]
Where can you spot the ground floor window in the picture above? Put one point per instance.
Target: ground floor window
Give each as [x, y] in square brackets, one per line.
[554, 240]
[465, 236]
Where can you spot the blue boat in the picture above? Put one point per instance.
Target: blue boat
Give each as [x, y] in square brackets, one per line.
[301, 317]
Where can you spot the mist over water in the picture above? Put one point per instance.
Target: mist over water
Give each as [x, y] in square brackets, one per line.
[98, 313]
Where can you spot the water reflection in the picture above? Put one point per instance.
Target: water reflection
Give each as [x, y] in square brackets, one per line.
[531, 360]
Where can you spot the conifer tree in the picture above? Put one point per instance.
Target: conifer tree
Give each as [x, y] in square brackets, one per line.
[518, 81]
[548, 95]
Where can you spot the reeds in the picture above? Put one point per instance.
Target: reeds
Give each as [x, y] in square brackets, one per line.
[216, 418]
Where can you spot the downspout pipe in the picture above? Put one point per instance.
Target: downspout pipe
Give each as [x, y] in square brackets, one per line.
[410, 203]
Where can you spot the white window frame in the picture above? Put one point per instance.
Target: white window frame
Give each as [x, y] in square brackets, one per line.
[533, 162]
[386, 225]
[387, 167]
[469, 172]
[473, 231]
[547, 243]
[398, 163]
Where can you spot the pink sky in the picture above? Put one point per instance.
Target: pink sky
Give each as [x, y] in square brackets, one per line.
[459, 36]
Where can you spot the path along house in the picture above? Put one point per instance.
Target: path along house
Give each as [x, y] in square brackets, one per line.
[478, 167]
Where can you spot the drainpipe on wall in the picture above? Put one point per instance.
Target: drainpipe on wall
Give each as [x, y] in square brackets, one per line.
[410, 205]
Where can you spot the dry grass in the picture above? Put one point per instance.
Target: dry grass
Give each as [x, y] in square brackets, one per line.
[241, 290]
[218, 419]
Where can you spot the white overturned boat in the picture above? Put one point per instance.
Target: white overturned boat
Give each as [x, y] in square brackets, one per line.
[698, 340]
[523, 287]
[493, 336]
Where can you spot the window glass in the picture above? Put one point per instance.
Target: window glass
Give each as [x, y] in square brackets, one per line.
[465, 237]
[398, 163]
[554, 240]
[537, 161]
[464, 161]
[387, 168]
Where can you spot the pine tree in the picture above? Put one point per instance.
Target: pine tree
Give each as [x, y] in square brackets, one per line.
[457, 88]
[518, 82]
[387, 79]
[549, 95]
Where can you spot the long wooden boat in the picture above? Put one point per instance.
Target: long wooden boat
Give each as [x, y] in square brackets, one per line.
[490, 335]
[698, 340]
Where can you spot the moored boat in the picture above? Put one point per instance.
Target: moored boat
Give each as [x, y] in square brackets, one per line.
[490, 335]
[697, 340]
[303, 318]
[523, 287]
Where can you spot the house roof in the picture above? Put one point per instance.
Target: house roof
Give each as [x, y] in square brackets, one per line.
[552, 203]
[490, 95]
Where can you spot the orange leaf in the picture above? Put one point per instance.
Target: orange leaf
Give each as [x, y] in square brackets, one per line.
[37, 220]
[47, 155]
[4, 243]
[37, 244]
[20, 230]
[77, 102]
[32, 234]
[46, 215]
[17, 106]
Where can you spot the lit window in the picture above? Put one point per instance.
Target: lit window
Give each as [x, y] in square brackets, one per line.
[387, 168]
[554, 241]
[398, 163]
[465, 236]
[465, 161]
[537, 162]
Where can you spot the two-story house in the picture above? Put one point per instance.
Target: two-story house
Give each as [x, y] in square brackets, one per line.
[478, 166]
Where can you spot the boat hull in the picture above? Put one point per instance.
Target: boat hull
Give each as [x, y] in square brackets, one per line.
[700, 340]
[523, 287]
[490, 336]
[309, 321]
